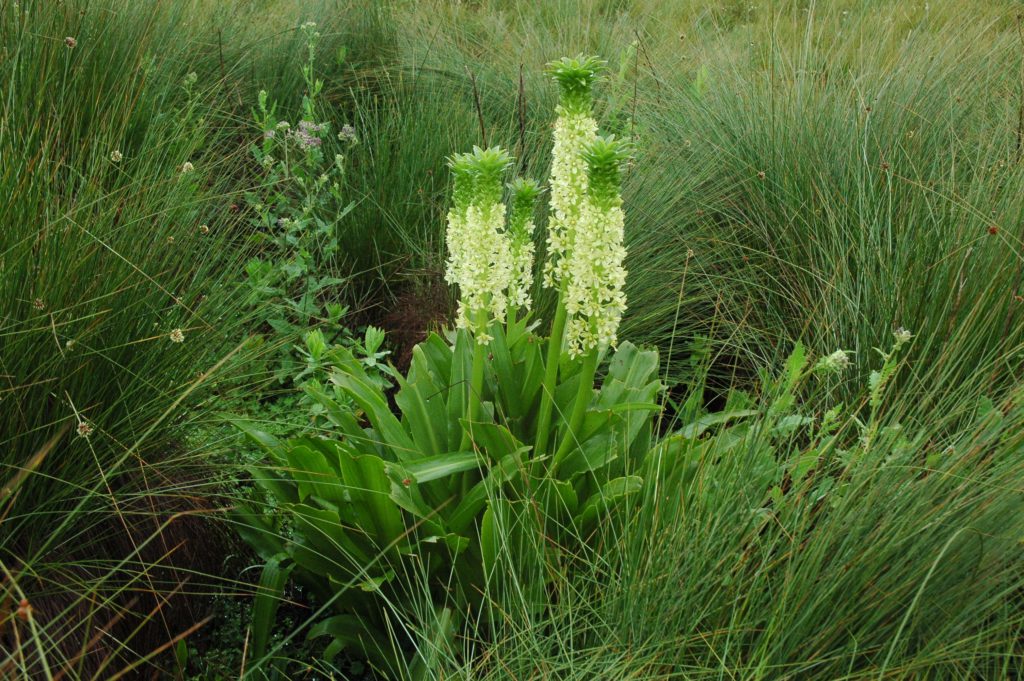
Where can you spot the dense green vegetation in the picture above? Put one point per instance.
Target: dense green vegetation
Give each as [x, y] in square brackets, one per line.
[806, 177]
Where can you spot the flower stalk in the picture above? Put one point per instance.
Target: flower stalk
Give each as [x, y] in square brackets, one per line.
[594, 299]
[575, 128]
[480, 257]
[492, 261]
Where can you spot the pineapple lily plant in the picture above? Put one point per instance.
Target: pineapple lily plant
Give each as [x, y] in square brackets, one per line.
[488, 427]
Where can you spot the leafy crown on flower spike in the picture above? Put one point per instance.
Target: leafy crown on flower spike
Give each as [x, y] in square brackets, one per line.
[488, 166]
[576, 77]
[520, 234]
[605, 157]
[462, 169]
[524, 199]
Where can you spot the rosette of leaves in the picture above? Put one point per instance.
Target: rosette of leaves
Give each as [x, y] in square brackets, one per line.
[397, 495]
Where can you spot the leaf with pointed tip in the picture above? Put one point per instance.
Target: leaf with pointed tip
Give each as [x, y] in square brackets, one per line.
[269, 593]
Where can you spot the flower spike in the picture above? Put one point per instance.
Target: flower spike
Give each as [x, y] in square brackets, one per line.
[520, 232]
[479, 255]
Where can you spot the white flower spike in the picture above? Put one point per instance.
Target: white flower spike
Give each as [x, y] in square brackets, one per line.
[575, 127]
[594, 297]
[479, 253]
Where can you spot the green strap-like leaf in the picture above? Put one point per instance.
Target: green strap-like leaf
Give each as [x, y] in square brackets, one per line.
[371, 400]
[610, 492]
[271, 444]
[461, 368]
[350, 630]
[258, 531]
[324, 545]
[342, 417]
[370, 490]
[269, 593]
[698, 427]
[310, 469]
[423, 410]
[507, 469]
[434, 467]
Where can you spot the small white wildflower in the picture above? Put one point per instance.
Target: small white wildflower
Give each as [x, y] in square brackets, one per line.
[283, 125]
[306, 134]
[39, 304]
[115, 156]
[176, 336]
[308, 26]
[70, 42]
[187, 167]
[84, 429]
[835, 363]
[347, 134]
[69, 344]
[902, 336]
[204, 229]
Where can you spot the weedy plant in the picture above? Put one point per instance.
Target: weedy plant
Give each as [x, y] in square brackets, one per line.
[501, 437]
[294, 282]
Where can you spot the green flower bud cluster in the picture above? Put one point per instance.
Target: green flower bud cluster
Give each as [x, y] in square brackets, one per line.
[576, 77]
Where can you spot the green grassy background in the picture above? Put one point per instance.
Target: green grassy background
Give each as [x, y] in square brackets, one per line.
[815, 171]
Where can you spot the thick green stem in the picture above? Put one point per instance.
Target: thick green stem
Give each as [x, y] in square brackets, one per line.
[476, 386]
[547, 396]
[510, 321]
[579, 407]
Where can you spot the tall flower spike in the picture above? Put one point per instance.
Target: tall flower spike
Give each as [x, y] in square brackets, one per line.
[520, 233]
[594, 297]
[575, 127]
[479, 256]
